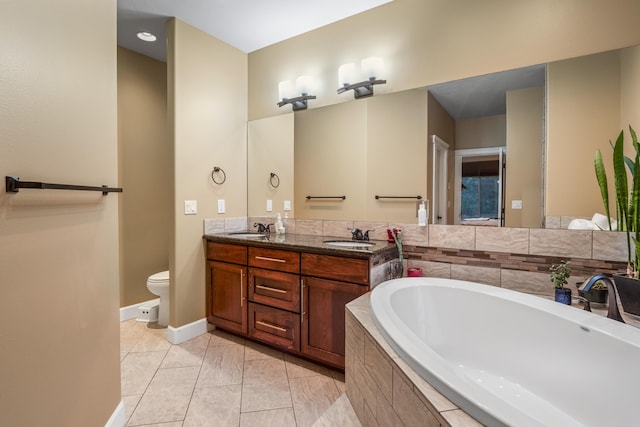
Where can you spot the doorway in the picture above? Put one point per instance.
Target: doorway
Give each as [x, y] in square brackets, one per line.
[440, 202]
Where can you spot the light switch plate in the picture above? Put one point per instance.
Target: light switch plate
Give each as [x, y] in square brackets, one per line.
[516, 204]
[269, 205]
[220, 205]
[287, 205]
[190, 207]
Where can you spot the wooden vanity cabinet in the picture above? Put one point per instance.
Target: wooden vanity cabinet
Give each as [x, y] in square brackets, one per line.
[328, 284]
[285, 298]
[226, 290]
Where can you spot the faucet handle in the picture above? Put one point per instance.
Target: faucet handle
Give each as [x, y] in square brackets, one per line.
[587, 303]
[366, 235]
[356, 233]
[261, 227]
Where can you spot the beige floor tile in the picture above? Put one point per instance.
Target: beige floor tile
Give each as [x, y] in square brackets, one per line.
[137, 370]
[254, 350]
[261, 397]
[151, 341]
[222, 365]
[130, 403]
[161, 406]
[170, 378]
[298, 368]
[273, 418]
[341, 414]
[312, 396]
[189, 353]
[214, 406]
[219, 337]
[264, 371]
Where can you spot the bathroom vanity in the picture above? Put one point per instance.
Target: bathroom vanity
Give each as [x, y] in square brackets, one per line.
[289, 291]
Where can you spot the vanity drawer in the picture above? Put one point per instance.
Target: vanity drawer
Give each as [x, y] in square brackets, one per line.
[336, 268]
[275, 288]
[236, 254]
[277, 327]
[274, 259]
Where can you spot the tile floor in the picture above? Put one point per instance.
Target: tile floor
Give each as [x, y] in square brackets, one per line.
[218, 379]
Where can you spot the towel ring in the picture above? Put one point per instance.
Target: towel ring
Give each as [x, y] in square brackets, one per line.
[274, 177]
[215, 170]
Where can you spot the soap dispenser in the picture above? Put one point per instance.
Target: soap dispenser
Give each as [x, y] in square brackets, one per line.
[279, 225]
[422, 214]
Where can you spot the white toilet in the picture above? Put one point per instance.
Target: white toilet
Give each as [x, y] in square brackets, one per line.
[158, 284]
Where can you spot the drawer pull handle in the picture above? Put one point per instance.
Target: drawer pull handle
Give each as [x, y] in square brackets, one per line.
[269, 325]
[302, 300]
[241, 286]
[267, 288]
[264, 258]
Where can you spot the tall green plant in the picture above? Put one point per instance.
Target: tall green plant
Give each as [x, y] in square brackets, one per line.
[627, 197]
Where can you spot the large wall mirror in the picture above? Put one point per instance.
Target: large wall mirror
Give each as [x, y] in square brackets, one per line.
[375, 159]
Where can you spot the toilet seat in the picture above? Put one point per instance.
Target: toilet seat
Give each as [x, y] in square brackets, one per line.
[161, 277]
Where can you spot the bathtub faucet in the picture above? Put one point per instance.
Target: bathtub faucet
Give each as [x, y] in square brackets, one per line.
[614, 311]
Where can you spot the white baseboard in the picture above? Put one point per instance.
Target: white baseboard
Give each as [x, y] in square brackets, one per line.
[131, 311]
[117, 419]
[185, 333]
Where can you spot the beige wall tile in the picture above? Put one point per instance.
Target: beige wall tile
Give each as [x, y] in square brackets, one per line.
[485, 275]
[213, 225]
[309, 226]
[289, 225]
[370, 418]
[526, 281]
[432, 269]
[562, 243]
[354, 341]
[552, 222]
[235, 224]
[422, 387]
[452, 236]
[409, 408]
[414, 234]
[337, 228]
[378, 229]
[354, 394]
[610, 246]
[366, 384]
[502, 239]
[385, 414]
[376, 363]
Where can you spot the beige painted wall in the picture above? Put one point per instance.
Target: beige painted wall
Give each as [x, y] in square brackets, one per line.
[583, 109]
[330, 160]
[270, 150]
[442, 124]
[144, 159]
[525, 147]
[59, 249]
[630, 91]
[431, 41]
[481, 132]
[207, 115]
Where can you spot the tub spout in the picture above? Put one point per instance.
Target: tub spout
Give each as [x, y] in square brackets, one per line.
[614, 310]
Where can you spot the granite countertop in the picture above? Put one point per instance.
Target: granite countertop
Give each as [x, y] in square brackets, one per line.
[304, 242]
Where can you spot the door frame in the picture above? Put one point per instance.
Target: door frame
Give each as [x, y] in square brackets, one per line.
[478, 152]
[439, 180]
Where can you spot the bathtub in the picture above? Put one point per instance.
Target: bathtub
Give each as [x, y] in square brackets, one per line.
[512, 359]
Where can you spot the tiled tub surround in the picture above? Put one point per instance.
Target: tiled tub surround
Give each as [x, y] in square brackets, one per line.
[382, 388]
[514, 258]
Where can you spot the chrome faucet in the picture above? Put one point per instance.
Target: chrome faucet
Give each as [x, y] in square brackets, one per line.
[357, 234]
[262, 228]
[614, 311]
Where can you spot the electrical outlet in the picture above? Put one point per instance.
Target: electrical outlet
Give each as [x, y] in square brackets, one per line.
[221, 206]
[287, 205]
[516, 204]
[269, 205]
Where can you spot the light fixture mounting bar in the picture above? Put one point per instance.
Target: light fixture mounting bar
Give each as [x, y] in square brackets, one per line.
[298, 103]
[362, 89]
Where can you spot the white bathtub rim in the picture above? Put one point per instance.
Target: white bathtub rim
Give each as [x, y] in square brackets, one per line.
[478, 404]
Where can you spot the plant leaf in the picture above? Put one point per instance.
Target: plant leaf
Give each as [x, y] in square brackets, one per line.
[601, 176]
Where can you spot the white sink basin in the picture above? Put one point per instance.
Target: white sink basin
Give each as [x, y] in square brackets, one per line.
[248, 235]
[349, 243]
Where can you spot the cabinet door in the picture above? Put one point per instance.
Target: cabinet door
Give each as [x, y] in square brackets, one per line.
[322, 318]
[226, 296]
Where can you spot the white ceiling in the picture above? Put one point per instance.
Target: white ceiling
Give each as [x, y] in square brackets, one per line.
[246, 24]
[250, 25]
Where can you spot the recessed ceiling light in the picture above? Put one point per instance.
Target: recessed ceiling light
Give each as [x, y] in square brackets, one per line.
[146, 36]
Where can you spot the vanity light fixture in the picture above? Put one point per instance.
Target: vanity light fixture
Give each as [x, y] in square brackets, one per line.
[287, 92]
[370, 70]
[147, 36]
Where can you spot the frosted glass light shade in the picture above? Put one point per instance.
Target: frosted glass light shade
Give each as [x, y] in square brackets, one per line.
[304, 84]
[372, 67]
[347, 74]
[286, 90]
